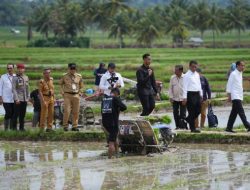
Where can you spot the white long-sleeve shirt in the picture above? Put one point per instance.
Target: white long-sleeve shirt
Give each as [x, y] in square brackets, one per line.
[191, 83]
[235, 85]
[104, 84]
[6, 88]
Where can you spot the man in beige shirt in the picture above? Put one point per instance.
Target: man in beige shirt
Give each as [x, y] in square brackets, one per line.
[176, 97]
[71, 86]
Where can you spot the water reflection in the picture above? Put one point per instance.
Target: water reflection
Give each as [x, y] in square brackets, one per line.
[79, 167]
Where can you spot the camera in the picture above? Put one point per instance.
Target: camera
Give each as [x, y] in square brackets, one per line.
[112, 80]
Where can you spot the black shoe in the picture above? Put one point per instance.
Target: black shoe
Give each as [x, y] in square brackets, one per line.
[195, 131]
[230, 131]
[74, 129]
[49, 130]
[65, 129]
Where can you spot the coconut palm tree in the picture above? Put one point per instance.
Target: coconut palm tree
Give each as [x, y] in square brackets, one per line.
[147, 31]
[215, 20]
[199, 15]
[236, 16]
[42, 19]
[112, 7]
[176, 24]
[120, 26]
[74, 20]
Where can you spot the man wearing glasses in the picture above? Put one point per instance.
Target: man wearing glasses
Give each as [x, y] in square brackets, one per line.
[192, 95]
[71, 85]
[6, 95]
[46, 92]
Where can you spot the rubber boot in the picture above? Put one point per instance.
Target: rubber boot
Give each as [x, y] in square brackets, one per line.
[6, 124]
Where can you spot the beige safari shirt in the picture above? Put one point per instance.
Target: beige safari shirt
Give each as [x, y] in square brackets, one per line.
[46, 87]
[71, 83]
[176, 88]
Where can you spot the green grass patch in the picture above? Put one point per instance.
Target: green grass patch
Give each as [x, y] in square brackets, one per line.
[58, 135]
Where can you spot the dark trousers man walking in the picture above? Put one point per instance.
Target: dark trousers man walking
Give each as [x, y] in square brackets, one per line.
[235, 94]
[19, 113]
[9, 110]
[192, 95]
[193, 107]
[148, 104]
[179, 114]
[237, 108]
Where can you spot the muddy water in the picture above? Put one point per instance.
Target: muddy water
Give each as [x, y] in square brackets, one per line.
[61, 165]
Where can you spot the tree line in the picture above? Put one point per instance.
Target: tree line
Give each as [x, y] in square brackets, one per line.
[68, 19]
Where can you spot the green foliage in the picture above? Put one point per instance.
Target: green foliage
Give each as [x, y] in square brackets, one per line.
[164, 96]
[81, 42]
[162, 119]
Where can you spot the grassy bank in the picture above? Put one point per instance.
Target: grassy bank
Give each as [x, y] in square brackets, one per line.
[212, 136]
[58, 135]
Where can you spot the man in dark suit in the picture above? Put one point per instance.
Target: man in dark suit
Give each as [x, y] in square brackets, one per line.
[146, 86]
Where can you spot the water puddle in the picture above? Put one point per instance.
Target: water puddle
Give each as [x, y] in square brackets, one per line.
[67, 165]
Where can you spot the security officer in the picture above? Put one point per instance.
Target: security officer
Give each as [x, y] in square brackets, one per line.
[46, 92]
[21, 93]
[71, 85]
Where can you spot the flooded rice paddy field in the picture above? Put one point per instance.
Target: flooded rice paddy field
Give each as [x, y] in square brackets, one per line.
[68, 165]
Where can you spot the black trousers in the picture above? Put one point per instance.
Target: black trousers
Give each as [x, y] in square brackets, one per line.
[193, 107]
[237, 108]
[179, 113]
[9, 110]
[19, 112]
[148, 104]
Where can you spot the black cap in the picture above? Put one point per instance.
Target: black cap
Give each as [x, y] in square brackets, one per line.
[115, 90]
[111, 65]
[71, 65]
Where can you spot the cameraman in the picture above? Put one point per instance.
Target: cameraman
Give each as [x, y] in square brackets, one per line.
[111, 80]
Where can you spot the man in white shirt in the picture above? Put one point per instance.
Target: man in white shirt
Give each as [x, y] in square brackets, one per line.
[235, 95]
[192, 95]
[176, 97]
[6, 95]
[111, 80]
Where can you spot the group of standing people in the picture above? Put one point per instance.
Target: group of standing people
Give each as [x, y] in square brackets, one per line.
[192, 91]
[188, 92]
[14, 95]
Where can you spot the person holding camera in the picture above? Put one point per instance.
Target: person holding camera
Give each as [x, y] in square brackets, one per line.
[146, 85]
[46, 93]
[110, 80]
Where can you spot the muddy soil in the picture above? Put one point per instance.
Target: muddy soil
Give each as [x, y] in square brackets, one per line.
[64, 165]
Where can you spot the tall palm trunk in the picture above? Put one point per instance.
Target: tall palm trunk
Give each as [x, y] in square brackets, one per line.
[29, 32]
[202, 34]
[239, 40]
[213, 39]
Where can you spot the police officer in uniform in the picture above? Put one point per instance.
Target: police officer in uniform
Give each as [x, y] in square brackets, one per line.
[21, 93]
[71, 85]
[46, 92]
